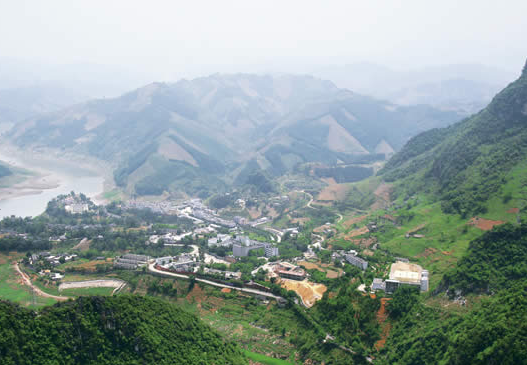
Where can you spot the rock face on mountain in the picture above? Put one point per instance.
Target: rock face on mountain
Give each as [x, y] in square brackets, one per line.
[203, 133]
[468, 162]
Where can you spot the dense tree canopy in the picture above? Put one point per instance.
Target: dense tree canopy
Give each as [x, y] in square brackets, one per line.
[110, 330]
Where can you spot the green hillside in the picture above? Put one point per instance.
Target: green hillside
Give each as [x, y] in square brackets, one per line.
[196, 136]
[110, 330]
[487, 330]
[467, 164]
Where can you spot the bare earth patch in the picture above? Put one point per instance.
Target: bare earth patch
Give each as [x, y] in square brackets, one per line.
[348, 223]
[513, 211]
[309, 292]
[357, 232]
[83, 245]
[427, 252]
[484, 224]
[383, 196]
[332, 192]
[382, 315]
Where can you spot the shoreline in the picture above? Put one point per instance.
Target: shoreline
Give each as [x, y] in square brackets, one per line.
[35, 173]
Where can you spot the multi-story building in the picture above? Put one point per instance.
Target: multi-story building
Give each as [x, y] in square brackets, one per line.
[356, 261]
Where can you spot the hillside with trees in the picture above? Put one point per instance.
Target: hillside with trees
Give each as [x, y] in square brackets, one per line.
[467, 163]
[110, 330]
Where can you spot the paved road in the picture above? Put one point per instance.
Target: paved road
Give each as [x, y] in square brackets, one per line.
[276, 232]
[37, 290]
[151, 268]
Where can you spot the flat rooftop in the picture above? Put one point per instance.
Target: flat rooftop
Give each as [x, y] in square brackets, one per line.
[406, 272]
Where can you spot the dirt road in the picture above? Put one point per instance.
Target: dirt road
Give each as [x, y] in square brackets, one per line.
[37, 290]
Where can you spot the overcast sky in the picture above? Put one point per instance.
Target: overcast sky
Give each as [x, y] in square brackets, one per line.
[166, 40]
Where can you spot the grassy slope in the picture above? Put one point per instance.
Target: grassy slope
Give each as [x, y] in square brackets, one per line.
[11, 289]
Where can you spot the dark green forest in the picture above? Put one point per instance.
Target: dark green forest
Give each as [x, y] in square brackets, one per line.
[110, 330]
[493, 331]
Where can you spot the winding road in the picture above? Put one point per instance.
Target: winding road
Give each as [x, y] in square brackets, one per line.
[36, 289]
[151, 268]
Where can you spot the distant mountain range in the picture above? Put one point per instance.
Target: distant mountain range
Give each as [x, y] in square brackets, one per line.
[464, 88]
[20, 103]
[201, 134]
[469, 162]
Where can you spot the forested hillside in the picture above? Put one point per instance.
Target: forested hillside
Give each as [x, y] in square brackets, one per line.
[197, 136]
[493, 331]
[493, 262]
[110, 330]
[467, 163]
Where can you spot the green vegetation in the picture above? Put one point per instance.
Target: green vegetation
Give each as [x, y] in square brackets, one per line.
[350, 317]
[492, 332]
[493, 262]
[466, 164]
[265, 359]
[110, 330]
[78, 292]
[345, 174]
[11, 288]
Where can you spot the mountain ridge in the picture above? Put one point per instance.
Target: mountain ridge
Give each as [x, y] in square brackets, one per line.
[211, 127]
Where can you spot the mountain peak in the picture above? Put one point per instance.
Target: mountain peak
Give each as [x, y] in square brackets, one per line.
[524, 72]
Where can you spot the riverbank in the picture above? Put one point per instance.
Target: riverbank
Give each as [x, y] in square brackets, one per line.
[39, 176]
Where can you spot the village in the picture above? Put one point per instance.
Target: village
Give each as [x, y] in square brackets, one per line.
[235, 252]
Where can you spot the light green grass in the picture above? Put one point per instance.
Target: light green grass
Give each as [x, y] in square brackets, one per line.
[11, 290]
[112, 195]
[77, 292]
[263, 359]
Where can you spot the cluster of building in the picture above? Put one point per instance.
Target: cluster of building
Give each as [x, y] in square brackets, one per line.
[55, 276]
[286, 270]
[53, 260]
[182, 263]
[350, 257]
[156, 207]
[403, 273]
[242, 245]
[130, 261]
[236, 275]
[75, 205]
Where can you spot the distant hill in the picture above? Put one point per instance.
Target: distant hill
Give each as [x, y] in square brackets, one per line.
[110, 330]
[201, 134]
[464, 88]
[17, 104]
[467, 163]
[4, 170]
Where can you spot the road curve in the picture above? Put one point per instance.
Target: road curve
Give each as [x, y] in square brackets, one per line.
[36, 289]
[151, 268]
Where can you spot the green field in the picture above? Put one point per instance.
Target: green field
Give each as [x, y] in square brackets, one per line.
[11, 290]
[86, 291]
[265, 359]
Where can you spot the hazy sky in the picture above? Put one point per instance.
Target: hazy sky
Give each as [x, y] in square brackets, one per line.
[166, 40]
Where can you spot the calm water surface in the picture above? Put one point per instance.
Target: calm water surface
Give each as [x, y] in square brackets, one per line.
[78, 180]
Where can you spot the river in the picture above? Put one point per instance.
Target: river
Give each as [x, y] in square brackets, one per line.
[66, 178]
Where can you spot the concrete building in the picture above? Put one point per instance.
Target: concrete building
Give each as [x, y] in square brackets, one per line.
[404, 273]
[163, 260]
[271, 251]
[131, 261]
[292, 274]
[378, 284]
[243, 245]
[222, 240]
[356, 261]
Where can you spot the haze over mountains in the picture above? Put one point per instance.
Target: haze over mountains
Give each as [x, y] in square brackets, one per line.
[466, 88]
[217, 129]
